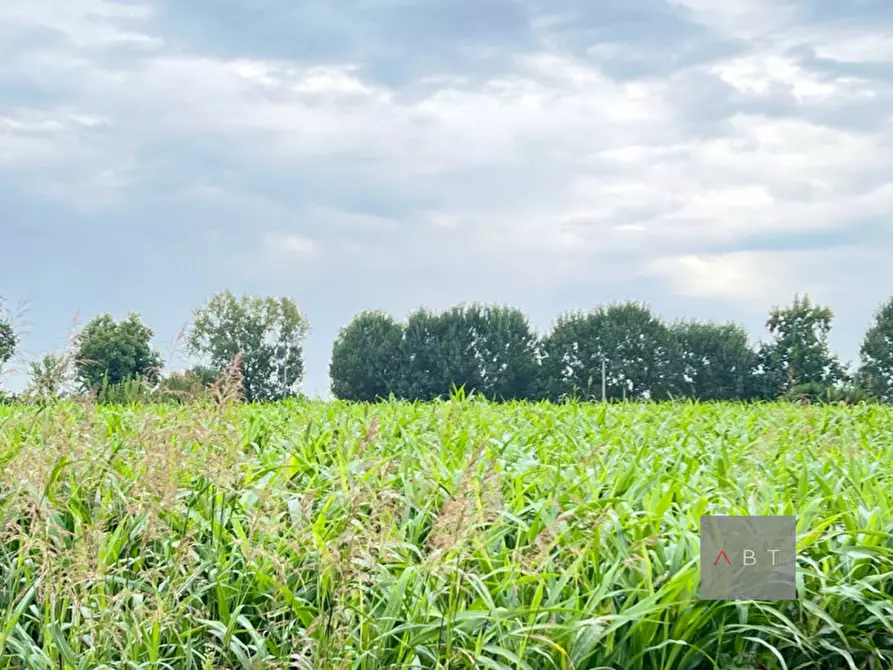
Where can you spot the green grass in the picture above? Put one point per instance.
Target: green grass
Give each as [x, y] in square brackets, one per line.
[451, 535]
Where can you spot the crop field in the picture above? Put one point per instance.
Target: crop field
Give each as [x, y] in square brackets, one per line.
[458, 534]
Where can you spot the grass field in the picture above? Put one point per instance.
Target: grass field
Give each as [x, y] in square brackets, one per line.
[452, 535]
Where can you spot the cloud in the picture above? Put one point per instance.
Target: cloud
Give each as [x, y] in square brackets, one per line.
[857, 48]
[749, 276]
[451, 151]
[77, 24]
[286, 253]
[741, 19]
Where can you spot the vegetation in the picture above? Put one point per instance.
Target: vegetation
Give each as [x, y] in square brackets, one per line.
[266, 333]
[458, 534]
[489, 350]
[200, 532]
[8, 338]
[799, 352]
[110, 354]
[366, 357]
[620, 351]
[712, 361]
[632, 342]
[187, 385]
[616, 352]
[51, 377]
[876, 373]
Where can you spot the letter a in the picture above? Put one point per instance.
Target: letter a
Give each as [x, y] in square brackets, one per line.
[722, 554]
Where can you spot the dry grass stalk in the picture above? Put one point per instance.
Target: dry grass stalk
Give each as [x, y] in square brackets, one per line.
[475, 501]
[229, 388]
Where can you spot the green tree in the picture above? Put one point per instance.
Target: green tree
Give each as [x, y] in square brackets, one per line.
[876, 356]
[712, 361]
[110, 353]
[634, 344]
[8, 338]
[507, 350]
[489, 350]
[366, 358]
[50, 377]
[186, 385]
[437, 354]
[269, 334]
[798, 352]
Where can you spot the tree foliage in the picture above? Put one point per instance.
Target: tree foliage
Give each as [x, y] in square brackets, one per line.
[8, 338]
[438, 354]
[487, 350]
[50, 377]
[799, 352]
[110, 353]
[366, 358]
[255, 345]
[634, 344]
[269, 334]
[506, 349]
[711, 361]
[876, 355]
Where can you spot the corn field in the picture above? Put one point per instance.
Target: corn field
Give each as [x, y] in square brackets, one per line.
[455, 534]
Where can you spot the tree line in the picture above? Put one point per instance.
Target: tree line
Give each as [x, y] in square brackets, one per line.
[614, 352]
[617, 351]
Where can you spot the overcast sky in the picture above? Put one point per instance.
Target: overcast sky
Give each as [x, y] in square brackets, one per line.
[710, 157]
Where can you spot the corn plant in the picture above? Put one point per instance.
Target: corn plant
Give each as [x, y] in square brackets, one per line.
[453, 534]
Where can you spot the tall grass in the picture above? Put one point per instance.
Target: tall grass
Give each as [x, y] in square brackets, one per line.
[447, 535]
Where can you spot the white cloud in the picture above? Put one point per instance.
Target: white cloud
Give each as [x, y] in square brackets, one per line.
[631, 179]
[761, 74]
[290, 243]
[284, 253]
[851, 279]
[743, 276]
[863, 47]
[741, 19]
[555, 166]
[84, 23]
[539, 177]
[68, 156]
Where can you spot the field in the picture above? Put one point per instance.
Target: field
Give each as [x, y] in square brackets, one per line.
[458, 534]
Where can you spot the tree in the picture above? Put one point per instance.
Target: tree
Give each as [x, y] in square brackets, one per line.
[487, 349]
[50, 377]
[712, 361]
[634, 345]
[366, 358]
[507, 352]
[8, 338]
[799, 352]
[438, 354]
[269, 334]
[876, 356]
[109, 353]
[186, 385]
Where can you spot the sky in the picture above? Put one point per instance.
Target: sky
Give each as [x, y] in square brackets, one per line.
[709, 157]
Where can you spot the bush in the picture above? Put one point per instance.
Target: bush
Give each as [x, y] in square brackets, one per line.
[186, 386]
[124, 393]
[817, 393]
